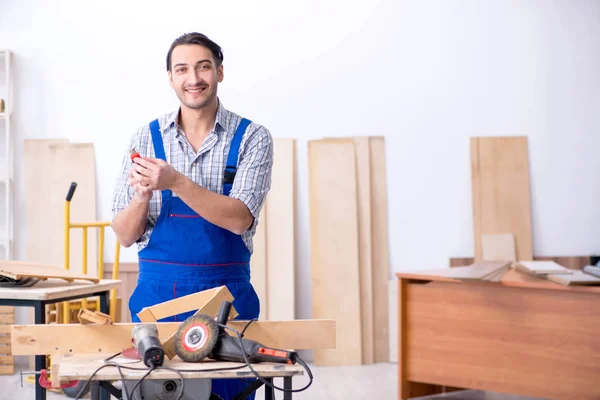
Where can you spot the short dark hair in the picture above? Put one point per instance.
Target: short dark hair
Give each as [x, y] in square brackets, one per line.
[196, 38]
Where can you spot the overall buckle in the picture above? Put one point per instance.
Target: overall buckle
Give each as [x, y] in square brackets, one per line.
[229, 175]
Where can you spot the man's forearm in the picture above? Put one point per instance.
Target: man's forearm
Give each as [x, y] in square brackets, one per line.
[223, 211]
[130, 223]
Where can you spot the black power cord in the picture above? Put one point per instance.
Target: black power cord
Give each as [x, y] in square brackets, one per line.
[249, 365]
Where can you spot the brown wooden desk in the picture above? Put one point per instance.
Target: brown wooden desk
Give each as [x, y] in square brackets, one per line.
[522, 335]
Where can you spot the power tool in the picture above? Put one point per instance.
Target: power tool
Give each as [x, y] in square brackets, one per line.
[200, 336]
[145, 339]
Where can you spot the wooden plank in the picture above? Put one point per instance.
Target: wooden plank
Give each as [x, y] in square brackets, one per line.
[536, 343]
[498, 247]
[4, 329]
[7, 309]
[19, 270]
[56, 289]
[109, 339]
[571, 262]
[44, 203]
[93, 317]
[362, 148]
[501, 191]
[258, 263]
[281, 232]
[82, 367]
[379, 248]
[4, 339]
[334, 247]
[7, 318]
[7, 360]
[193, 302]
[6, 349]
[50, 167]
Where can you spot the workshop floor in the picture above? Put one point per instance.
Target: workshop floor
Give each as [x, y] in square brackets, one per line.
[376, 381]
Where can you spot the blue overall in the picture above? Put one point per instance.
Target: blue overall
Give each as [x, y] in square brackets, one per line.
[187, 254]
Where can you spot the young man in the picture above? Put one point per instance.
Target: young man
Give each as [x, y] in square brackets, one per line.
[191, 201]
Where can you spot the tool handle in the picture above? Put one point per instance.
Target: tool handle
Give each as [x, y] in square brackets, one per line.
[224, 311]
[269, 354]
[229, 350]
[71, 191]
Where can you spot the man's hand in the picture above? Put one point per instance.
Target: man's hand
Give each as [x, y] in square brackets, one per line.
[154, 174]
[142, 192]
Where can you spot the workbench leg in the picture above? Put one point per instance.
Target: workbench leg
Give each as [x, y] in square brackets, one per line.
[104, 304]
[269, 390]
[40, 360]
[287, 385]
[104, 308]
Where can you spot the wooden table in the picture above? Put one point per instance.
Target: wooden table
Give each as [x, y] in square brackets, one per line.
[523, 335]
[83, 366]
[49, 292]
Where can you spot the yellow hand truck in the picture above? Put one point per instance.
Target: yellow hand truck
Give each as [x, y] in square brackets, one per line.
[71, 308]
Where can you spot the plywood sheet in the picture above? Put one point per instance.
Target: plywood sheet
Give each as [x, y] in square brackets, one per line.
[365, 248]
[501, 191]
[50, 167]
[334, 247]
[379, 248]
[498, 247]
[281, 232]
[21, 270]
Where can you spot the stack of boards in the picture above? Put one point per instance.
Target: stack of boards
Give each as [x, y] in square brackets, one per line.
[559, 274]
[349, 246]
[489, 271]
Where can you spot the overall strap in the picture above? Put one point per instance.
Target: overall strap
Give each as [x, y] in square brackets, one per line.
[232, 157]
[159, 149]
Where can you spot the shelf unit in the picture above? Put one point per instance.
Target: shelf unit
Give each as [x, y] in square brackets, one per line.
[6, 156]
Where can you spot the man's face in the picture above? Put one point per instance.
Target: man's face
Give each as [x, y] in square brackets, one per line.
[194, 75]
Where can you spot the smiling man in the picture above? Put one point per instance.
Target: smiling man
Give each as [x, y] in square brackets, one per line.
[191, 201]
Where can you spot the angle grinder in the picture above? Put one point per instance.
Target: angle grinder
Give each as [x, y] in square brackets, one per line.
[145, 339]
[200, 336]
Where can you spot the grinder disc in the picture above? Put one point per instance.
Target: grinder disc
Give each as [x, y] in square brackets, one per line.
[196, 337]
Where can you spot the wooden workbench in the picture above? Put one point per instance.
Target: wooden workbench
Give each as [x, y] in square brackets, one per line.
[83, 366]
[54, 291]
[523, 335]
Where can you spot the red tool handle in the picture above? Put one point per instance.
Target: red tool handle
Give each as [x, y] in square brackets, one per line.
[133, 153]
[47, 385]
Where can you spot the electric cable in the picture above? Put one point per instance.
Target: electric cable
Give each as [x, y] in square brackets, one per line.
[267, 383]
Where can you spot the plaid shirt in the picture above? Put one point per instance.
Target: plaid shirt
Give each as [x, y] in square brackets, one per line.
[206, 167]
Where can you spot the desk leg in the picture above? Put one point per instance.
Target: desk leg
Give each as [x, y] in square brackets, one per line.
[104, 308]
[287, 385]
[104, 304]
[269, 390]
[40, 360]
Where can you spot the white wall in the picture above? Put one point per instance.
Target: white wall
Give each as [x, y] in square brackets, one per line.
[426, 74]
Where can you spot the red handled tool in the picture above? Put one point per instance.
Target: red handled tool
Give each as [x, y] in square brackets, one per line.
[133, 153]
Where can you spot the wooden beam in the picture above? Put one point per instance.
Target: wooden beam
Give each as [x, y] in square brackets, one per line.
[192, 302]
[110, 339]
